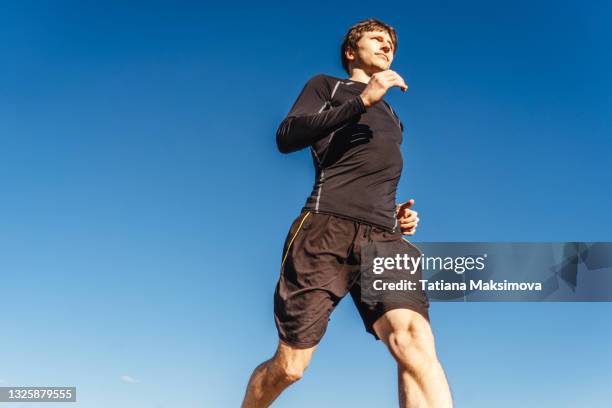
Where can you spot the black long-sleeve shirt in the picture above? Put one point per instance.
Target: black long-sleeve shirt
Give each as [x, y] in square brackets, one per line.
[355, 150]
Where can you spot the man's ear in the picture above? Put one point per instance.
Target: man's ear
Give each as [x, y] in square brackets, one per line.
[349, 54]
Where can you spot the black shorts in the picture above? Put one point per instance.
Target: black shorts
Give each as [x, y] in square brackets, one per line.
[320, 265]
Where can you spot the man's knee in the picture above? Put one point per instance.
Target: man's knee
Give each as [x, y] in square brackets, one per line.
[290, 363]
[292, 372]
[413, 349]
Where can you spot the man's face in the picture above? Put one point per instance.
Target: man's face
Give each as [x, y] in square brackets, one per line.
[374, 53]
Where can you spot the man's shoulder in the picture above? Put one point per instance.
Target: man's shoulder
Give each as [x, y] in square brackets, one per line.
[323, 80]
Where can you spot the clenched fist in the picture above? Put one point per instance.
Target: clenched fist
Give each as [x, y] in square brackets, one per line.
[408, 219]
[379, 83]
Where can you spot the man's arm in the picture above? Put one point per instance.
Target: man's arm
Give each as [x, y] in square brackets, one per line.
[307, 122]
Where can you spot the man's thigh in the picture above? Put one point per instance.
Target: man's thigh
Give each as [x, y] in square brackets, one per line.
[376, 308]
[314, 277]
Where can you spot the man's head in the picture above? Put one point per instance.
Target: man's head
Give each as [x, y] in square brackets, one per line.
[369, 45]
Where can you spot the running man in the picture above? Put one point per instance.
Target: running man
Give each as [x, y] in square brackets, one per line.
[354, 137]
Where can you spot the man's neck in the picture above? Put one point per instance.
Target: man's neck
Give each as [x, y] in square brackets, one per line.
[359, 75]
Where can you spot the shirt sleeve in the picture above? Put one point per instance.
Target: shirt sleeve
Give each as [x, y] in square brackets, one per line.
[308, 121]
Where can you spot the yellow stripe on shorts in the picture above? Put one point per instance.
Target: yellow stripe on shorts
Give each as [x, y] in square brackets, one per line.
[292, 239]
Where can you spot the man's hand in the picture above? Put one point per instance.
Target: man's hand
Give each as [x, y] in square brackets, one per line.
[379, 83]
[408, 219]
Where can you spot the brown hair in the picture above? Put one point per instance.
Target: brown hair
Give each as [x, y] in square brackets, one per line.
[354, 34]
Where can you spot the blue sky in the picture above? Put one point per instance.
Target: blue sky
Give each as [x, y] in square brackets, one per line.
[144, 204]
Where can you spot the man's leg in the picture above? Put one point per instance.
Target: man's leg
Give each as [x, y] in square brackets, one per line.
[421, 379]
[271, 377]
[314, 277]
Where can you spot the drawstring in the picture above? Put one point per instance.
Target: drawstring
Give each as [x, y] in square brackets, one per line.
[367, 232]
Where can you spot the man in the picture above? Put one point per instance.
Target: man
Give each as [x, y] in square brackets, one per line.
[355, 138]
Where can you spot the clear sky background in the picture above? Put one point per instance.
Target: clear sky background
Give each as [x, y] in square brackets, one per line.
[143, 203]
